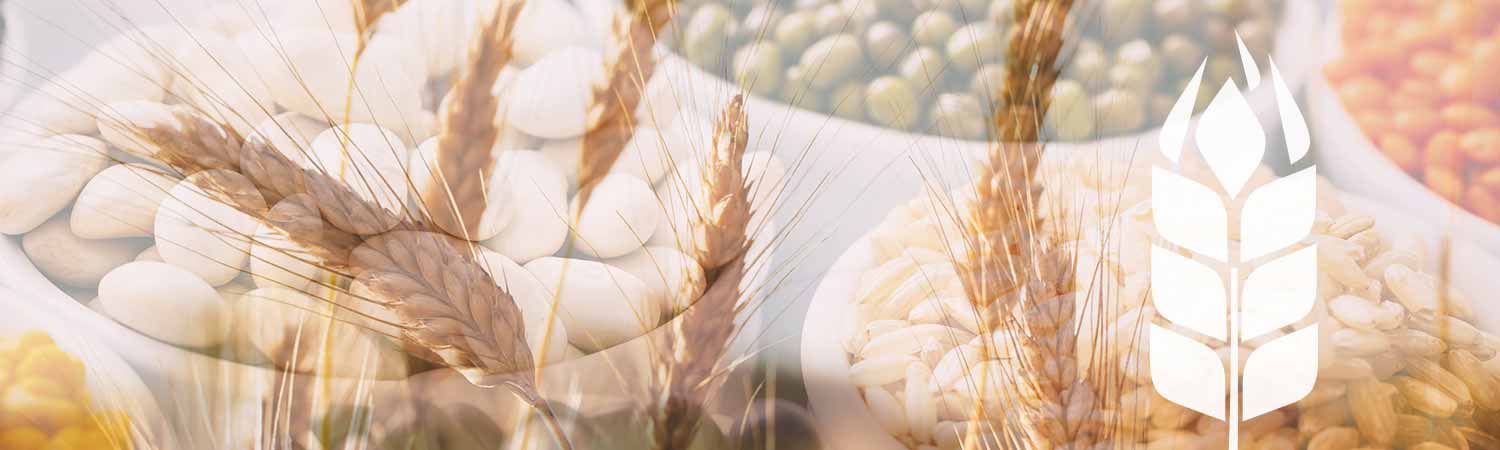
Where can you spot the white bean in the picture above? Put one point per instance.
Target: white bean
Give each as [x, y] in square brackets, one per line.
[291, 134]
[620, 217]
[544, 327]
[220, 80]
[440, 29]
[120, 124]
[538, 195]
[200, 231]
[166, 303]
[672, 277]
[278, 261]
[601, 305]
[74, 261]
[370, 161]
[298, 332]
[551, 98]
[121, 202]
[44, 177]
[546, 26]
[499, 210]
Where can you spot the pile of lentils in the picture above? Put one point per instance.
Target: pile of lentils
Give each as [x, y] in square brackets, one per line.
[934, 66]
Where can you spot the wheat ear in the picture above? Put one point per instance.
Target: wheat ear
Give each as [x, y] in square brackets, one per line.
[628, 65]
[368, 12]
[443, 298]
[700, 337]
[465, 157]
[1017, 273]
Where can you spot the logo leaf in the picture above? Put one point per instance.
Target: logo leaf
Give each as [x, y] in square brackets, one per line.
[1278, 214]
[1280, 372]
[1279, 293]
[1187, 373]
[1189, 214]
[1230, 139]
[1188, 293]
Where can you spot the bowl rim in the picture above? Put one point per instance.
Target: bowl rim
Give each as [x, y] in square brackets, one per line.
[839, 409]
[1342, 144]
[1299, 20]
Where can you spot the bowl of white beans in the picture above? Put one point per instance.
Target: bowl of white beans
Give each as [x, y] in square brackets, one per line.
[195, 293]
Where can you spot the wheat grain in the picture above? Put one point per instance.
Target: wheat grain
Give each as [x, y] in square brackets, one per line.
[628, 67]
[465, 158]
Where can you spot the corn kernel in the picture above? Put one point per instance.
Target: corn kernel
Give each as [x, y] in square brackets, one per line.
[52, 364]
[22, 438]
[36, 339]
[23, 407]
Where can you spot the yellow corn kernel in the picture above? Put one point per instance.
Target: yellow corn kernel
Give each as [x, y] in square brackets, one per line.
[53, 364]
[43, 387]
[36, 339]
[69, 438]
[23, 407]
[22, 438]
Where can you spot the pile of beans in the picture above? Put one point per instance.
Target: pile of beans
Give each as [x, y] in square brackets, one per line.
[1418, 78]
[933, 66]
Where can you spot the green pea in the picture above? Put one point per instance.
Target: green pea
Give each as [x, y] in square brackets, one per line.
[848, 101]
[1220, 69]
[1139, 55]
[974, 45]
[1123, 19]
[832, 59]
[987, 80]
[1003, 11]
[759, 65]
[1182, 55]
[923, 68]
[705, 38]
[890, 101]
[1131, 78]
[1091, 68]
[1175, 14]
[933, 28]
[796, 31]
[831, 19]
[1070, 115]
[891, 8]
[1217, 34]
[1257, 35]
[886, 43]
[797, 90]
[958, 115]
[1161, 106]
[1119, 111]
[973, 8]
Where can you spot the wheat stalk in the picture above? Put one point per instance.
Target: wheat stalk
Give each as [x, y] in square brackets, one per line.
[465, 158]
[368, 12]
[700, 337]
[444, 299]
[628, 67]
[1018, 275]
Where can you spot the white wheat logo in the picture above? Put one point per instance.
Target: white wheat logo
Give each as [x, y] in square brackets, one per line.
[1192, 293]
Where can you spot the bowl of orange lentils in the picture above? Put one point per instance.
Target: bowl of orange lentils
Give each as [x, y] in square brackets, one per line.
[59, 391]
[1408, 108]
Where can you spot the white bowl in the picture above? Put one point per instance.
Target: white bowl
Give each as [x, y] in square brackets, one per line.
[840, 410]
[848, 173]
[112, 383]
[1352, 160]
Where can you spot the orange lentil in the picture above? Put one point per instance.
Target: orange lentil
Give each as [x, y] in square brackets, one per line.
[1363, 92]
[1469, 115]
[1430, 63]
[1457, 81]
[1416, 121]
[1482, 145]
[1445, 182]
[1482, 202]
[1401, 151]
[1489, 178]
[1442, 151]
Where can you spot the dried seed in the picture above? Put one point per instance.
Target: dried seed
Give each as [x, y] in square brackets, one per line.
[880, 370]
[1425, 397]
[1412, 429]
[1337, 438]
[1315, 419]
[1359, 343]
[1451, 329]
[1348, 226]
[1479, 440]
[921, 405]
[1374, 413]
[1415, 290]
[953, 366]
[1347, 369]
[887, 410]
[1484, 387]
[1432, 373]
[1323, 393]
[1418, 343]
[1356, 312]
[1430, 446]
[910, 340]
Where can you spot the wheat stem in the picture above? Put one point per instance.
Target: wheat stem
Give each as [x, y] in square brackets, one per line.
[628, 68]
